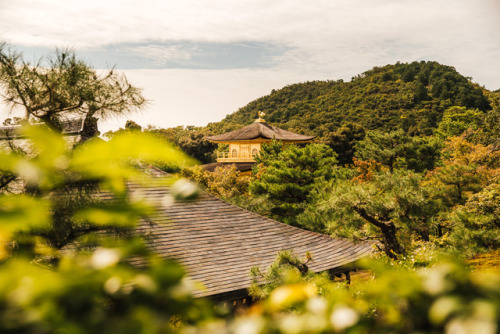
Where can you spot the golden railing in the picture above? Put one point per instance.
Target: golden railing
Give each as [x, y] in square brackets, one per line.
[234, 157]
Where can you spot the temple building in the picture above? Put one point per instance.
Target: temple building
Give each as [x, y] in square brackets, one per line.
[245, 143]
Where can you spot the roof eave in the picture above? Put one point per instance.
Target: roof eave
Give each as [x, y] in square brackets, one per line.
[260, 138]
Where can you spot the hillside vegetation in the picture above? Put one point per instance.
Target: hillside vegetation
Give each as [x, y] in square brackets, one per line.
[411, 97]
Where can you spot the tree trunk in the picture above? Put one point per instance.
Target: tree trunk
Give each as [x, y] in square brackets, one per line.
[391, 243]
[90, 129]
[424, 234]
[440, 230]
[388, 229]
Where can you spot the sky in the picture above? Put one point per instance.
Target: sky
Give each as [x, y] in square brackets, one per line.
[199, 60]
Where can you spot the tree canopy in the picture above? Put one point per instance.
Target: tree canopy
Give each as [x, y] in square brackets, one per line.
[399, 150]
[287, 179]
[408, 96]
[62, 86]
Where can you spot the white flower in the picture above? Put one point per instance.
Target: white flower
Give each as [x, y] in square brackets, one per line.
[28, 172]
[105, 257]
[316, 305]
[184, 190]
[343, 317]
[112, 285]
[145, 282]
[249, 325]
[167, 201]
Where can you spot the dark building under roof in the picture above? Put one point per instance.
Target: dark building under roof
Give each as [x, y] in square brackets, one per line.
[219, 243]
[240, 166]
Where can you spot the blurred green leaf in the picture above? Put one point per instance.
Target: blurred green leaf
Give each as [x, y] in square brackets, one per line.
[22, 213]
[119, 214]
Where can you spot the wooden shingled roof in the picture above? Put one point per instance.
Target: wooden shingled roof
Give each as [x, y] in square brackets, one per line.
[259, 130]
[218, 242]
[71, 126]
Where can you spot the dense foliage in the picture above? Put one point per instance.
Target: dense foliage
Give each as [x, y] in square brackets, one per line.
[446, 298]
[401, 191]
[74, 274]
[287, 178]
[97, 290]
[399, 150]
[411, 97]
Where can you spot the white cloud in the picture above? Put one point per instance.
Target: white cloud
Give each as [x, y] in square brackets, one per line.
[98, 22]
[324, 39]
[161, 54]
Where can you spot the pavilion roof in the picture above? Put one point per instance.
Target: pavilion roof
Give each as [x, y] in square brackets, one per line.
[218, 243]
[259, 130]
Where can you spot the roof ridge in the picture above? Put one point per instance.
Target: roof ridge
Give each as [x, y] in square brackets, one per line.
[247, 128]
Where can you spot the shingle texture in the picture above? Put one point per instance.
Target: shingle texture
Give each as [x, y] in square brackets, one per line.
[218, 242]
[69, 127]
[260, 130]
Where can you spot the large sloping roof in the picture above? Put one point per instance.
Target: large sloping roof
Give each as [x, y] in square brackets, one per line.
[259, 130]
[218, 242]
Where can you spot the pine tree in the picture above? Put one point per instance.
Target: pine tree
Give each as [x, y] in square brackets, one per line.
[287, 179]
[390, 207]
[61, 87]
[398, 150]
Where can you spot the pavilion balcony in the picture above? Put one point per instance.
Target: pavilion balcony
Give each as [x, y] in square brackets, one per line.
[235, 157]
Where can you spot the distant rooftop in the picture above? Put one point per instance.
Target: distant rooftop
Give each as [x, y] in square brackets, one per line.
[71, 126]
[260, 129]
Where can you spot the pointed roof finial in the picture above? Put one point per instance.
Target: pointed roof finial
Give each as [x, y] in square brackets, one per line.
[261, 117]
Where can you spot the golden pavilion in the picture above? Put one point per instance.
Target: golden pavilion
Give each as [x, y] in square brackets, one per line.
[245, 143]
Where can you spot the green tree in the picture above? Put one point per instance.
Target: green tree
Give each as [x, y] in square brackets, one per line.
[132, 125]
[224, 182]
[61, 86]
[399, 150]
[466, 169]
[287, 179]
[191, 140]
[480, 220]
[287, 268]
[343, 141]
[390, 207]
[491, 126]
[456, 120]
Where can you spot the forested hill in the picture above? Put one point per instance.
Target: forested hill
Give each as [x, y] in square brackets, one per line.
[408, 96]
